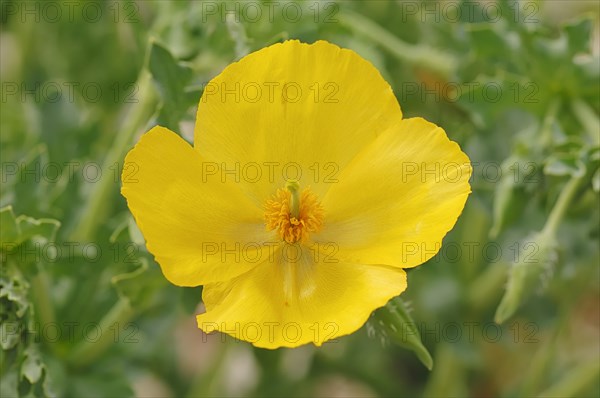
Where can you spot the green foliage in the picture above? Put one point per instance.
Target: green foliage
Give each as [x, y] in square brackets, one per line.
[171, 79]
[23, 369]
[85, 310]
[393, 322]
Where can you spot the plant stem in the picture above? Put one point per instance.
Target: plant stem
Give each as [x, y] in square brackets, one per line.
[487, 287]
[88, 350]
[588, 119]
[207, 385]
[546, 353]
[575, 382]
[560, 207]
[98, 197]
[42, 298]
[549, 117]
[419, 55]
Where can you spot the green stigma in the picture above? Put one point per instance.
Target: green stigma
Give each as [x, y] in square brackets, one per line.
[294, 188]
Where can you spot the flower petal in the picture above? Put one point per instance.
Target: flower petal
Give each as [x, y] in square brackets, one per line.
[193, 227]
[398, 198]
[310, 297]
[292, 108]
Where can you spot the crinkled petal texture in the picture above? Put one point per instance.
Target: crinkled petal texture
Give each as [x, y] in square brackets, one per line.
[295, 110]
[399, 197]
[299, 295]
[200, 231]
[390, 188]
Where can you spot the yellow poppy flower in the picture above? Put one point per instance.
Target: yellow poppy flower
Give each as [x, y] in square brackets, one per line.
[305, 196]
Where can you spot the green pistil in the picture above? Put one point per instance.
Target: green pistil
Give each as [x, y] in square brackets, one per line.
[294, 189]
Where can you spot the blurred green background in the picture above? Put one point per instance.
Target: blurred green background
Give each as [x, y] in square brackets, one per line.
[509, 307]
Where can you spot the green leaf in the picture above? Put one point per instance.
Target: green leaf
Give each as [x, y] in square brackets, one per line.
[17, 317]
[395, 323]
[238, 35]
[43, 227]
[569, 145]
[32, 366]
[170, 78]
[579, 35]
[563, 165]
[9, 334]
[31, 188]
[488, 40]
[142, 286]
[128, 284]
[14, 288]
[488, 98]
[586, 78]
[9, 384]
[10, 229]
[16, 230]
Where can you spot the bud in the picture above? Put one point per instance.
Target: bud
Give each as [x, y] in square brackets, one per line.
[393, 322]
[534, 265]
[509, 196]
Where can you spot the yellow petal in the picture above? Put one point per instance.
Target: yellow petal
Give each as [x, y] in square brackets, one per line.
[199, 231]
[299, 297]
[292, 110]
[398, 198]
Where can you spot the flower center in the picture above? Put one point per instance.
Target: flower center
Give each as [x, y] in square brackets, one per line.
[294, 214]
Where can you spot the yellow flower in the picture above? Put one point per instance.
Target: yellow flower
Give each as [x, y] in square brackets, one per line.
[305, 196]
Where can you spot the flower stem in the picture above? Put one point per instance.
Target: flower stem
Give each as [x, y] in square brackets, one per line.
[549, 118]
[588, 119]
[575, 381]
[419, 55]
[88, 350]
[41, 296]
[560, 207]
[207, 385]
[487, 287]
[97, 202]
